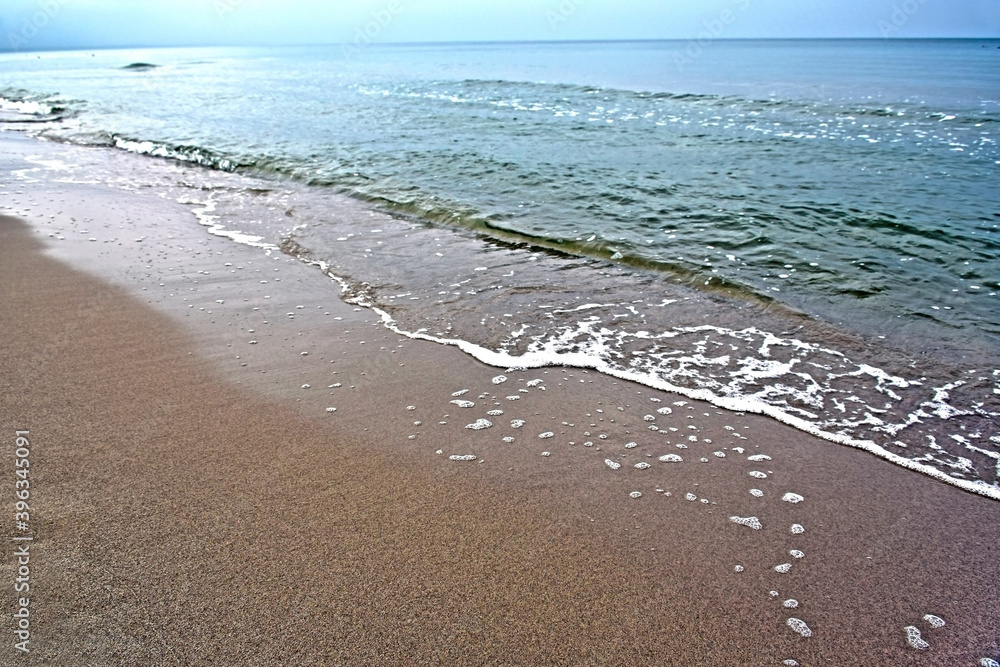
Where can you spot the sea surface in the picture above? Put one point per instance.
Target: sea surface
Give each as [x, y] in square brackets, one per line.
[804, 229]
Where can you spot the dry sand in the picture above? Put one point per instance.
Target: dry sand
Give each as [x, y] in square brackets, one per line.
[193, 504]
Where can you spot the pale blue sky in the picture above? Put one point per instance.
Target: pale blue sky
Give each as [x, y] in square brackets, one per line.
[54, 24]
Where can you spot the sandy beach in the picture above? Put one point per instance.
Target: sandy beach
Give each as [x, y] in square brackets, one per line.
[195, 500]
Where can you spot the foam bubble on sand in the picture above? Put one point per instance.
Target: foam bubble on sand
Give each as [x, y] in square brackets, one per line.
[533, 383]
[749, 522]
[671, 458]
[614, 465]
[757, 458]
[465, 457]
[480, 424]
[988, 662]
[514, 398]
[738, 450]
[411, 407]
[635, 494]
[756, 493]
[790, 663]
[460, 392]
[546, 453]
[738, 568]
[516, 423]
[508, 439]
[664, 411]
[758, 474]
[331, 409]
[795, 553]
[631, 445]
[464, 404]
[721, 455]
[500, 379]
[792, 498]
[797, 529]
[935, 621]
[800, 627]
[495, 413]
[649, 418]
[306, 386]
[642, 465]
[690, 496]
[914, 639]
[783, 568]
[547, 434]
[791, 604]
[440, 451]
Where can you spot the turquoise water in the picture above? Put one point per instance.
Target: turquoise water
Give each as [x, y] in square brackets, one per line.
[852, 182]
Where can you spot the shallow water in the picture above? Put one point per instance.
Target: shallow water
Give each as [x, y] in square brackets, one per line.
[817, 243]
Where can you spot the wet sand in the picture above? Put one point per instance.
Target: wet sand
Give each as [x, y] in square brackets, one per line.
[193, 503]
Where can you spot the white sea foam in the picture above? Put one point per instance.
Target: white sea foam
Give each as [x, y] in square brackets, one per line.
[546, 434]
[783, 568]
[508, 438]
[671, 458]
[462, 457]
[914, 639]
[791, 604]
[738, 568]
[793, 498]
[758, 474]
[749, 522]
[635, 494]
[756, 493]
[988, 662]
[799, 626]
[642, 465]
[614, 465]
[664, 410]
[757, 458]
[495, 413]
[631, 445]
[690, 496]
[797, 529]
[460, 392]
[480, 424]
[500, 379]
[935, 621]
[516, 423]
[795, 553]
[464, 404]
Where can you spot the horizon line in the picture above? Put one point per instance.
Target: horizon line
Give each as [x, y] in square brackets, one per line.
[491, 41]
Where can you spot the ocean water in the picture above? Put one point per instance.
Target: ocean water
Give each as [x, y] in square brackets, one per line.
[805, 229]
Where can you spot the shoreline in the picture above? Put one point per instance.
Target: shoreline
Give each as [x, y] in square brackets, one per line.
[826, 381]
[461, 562]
